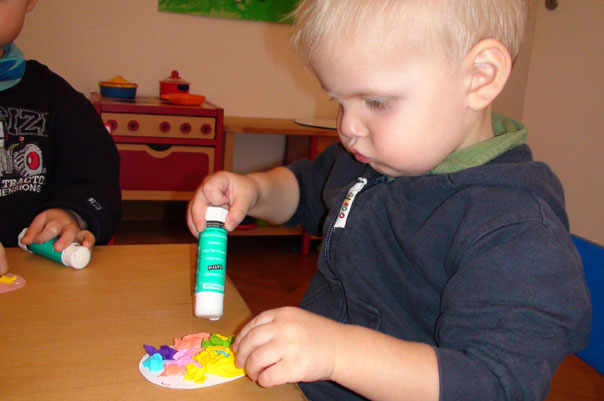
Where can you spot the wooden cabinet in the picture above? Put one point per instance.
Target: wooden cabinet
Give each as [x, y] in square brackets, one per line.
[165, 149]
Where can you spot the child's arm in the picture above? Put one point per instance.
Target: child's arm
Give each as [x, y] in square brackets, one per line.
[3, 261]
[57, 222]
[272, 195]
[292, 345]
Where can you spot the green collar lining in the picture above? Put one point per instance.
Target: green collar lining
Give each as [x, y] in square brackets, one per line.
[508, 134]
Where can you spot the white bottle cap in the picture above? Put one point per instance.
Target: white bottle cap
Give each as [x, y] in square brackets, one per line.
[209, 305]
[21, 245]
[76, 256]
[215, 213]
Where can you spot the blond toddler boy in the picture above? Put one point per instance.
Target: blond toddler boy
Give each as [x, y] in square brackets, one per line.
[446, 271]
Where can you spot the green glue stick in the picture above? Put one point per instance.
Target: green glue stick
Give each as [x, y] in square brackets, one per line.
[75, 255]
[211, 265]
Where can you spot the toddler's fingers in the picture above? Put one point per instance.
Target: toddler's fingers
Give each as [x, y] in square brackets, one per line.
[196, 213]
[262, 318]
[276, 374]
[261, 361]
[86, 238]
[51, 230]
[193, 221]
[216, 188]
[34, 229]
[234, 217]
[68, 235]
[256, 336]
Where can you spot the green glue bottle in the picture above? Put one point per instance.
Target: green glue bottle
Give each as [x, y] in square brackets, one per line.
[75, 255]
[211, 265]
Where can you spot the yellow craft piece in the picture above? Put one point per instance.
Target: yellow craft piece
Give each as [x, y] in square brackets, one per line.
[223, 338]
[198, 375]
[8, 280]
[118, 79]
[216, 360]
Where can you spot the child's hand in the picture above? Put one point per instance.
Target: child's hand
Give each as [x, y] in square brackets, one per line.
[57, 222]
[3, 261]
[238, 192]
[287, 345]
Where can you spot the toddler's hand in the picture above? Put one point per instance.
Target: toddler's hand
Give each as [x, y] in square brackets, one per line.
[287, 345]
[237, 192]
[57, 222]
[3, 261]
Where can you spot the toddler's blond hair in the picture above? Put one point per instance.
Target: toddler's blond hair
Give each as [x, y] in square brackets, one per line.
[448, 28]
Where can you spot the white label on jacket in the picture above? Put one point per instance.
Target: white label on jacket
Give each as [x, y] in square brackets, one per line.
[347, 204]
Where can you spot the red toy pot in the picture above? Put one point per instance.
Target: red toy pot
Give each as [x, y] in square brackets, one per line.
[173, 84]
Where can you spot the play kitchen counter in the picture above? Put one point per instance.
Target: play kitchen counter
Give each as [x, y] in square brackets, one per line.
[165, 149]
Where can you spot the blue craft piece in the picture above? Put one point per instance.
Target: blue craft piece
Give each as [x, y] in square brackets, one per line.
[155, 363]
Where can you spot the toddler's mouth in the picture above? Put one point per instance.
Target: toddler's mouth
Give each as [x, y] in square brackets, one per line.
[360, 158]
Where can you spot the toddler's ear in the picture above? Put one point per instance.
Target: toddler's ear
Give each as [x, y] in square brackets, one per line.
[488, 64]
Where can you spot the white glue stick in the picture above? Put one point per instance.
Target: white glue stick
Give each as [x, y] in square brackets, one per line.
[75, 255]
[211, 265]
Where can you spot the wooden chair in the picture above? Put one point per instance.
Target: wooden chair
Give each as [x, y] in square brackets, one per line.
[592, 256]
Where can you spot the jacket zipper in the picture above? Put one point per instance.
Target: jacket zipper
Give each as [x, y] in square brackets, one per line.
[342, 215]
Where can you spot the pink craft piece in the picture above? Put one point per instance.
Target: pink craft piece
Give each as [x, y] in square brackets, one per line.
[190, 341]
[173, 369]
[15, 285]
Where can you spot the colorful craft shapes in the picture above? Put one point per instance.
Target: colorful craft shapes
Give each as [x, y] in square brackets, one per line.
[201, 360]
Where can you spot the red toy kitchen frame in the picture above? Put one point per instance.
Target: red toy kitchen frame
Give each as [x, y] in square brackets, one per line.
[166, 150]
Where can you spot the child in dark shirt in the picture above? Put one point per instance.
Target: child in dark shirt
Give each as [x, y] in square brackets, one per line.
[59, 168]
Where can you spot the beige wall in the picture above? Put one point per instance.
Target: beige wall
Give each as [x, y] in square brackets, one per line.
[244, 66]
[564, 106]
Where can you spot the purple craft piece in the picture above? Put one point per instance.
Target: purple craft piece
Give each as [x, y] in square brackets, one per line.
[150, 349]
[166, 352]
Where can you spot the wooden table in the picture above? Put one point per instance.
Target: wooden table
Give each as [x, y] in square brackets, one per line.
[78, 334]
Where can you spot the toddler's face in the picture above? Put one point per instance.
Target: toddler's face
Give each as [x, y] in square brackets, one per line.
[12, 14]
[400, 111]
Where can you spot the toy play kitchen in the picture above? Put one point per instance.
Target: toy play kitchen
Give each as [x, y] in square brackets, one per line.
[166, 149]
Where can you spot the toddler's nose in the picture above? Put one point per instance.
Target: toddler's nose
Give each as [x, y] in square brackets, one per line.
[349, 127]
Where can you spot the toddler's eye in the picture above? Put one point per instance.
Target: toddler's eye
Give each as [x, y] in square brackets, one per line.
[376, 104]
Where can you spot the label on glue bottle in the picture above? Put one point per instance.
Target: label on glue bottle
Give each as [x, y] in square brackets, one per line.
[211, 265]
[75, 255]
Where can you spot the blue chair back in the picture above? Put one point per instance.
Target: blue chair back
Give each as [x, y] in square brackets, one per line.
[592, 256]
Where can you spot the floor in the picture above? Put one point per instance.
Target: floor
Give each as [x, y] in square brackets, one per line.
[268, 271]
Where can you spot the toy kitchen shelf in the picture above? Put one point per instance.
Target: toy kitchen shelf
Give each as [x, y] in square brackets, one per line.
[166, 150]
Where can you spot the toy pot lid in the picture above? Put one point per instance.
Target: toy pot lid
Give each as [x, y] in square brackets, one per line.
[175, 78]
[118, 82]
